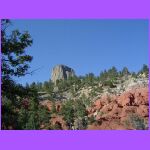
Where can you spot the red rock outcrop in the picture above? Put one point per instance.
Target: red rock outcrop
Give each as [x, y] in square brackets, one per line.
[49, 104]
[57, 120]
[114, 112]
[111, 112]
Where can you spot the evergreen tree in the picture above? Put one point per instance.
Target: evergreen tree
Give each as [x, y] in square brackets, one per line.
[144, 70]
[33, 118]
[112, 73]
[48, 86]
[125, 71]
[68, 112]
[44, 117]
[15, 62]
[103, 75]
[33, 86]
[27, 85]
[39, 86]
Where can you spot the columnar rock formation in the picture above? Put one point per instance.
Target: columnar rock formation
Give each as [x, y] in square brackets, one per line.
[61, 72]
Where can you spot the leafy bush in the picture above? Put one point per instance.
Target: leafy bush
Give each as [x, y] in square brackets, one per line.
[91, 120]
[137, 122]
[109, 83]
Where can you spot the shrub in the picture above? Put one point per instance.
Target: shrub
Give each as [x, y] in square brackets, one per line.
[109, 83]
[91, 120]
[137, 122]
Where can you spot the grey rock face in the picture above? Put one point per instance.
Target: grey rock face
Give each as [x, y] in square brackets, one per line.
[61, 72]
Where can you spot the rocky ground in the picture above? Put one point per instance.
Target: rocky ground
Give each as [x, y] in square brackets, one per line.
[126, 111]
[124, 107]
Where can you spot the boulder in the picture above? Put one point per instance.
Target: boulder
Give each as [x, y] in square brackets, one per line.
[141, 96]
[143, 111]
[57, 120]
[128, 110]
[126, 99]
[46, 103]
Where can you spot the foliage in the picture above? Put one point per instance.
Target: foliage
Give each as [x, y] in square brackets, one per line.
[137, 122]
[44, 115]
[125, 71]
[68, 112]
[134, 75]
[15, 63]
[109, 83]
[9, 116]
[48, 86]
[14, 59]
[145, 70]
[89, 79]
[74, 112]
[91, 120]
[80, 108]
[53, 108]
[111, 74]
[57, 126]
[80, 114]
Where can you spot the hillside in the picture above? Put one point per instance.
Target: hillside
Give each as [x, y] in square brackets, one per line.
[114, 100]
[111, 101]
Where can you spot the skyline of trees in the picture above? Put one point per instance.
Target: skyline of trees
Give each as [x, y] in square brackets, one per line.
[108, 77]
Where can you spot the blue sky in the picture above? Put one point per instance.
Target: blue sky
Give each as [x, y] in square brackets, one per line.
[85, 45]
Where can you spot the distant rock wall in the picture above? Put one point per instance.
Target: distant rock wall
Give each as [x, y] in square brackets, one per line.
[61, 72]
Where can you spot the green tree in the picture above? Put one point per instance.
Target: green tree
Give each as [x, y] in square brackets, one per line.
[33, 86]
[27, 85]
[80, 109]
[15, 61]
[48, 86]
[53, 108]
[103, 75]
[33, 118]
[44, 115]
[68, 112]
[145, 70]
[112, 73]
[9, 116]
[39, 86]
[89, 79]
[125, 71]
[74, 113]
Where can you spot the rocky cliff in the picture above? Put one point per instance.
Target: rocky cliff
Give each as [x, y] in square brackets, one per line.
[120, 103]
[127, 111]
[61, 72]
[126, 107]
